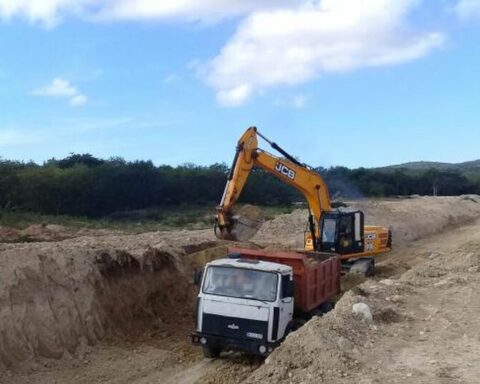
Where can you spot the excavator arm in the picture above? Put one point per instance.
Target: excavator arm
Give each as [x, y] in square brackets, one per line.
[286, 168]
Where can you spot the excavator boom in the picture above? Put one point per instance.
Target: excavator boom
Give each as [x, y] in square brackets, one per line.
[287, 169]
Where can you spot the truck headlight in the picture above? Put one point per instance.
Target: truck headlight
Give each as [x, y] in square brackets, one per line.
[203, 340]
[262, 349]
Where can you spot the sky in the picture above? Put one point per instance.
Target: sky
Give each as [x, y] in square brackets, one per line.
[334, 82]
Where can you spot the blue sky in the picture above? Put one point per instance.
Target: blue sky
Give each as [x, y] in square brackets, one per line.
[332, 82]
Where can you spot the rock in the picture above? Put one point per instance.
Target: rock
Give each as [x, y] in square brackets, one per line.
[344, 344]
[388, 282]
[441, 283]
[396, 299]
[362, 310]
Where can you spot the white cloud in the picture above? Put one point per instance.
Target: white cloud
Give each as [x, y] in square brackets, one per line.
[78, 100]
[292, 46]
[190, 10]
[299, 101]
[278, 42]
[62, 88]
[50, 12]
[46, 12]
[468, 9]
[234, 96]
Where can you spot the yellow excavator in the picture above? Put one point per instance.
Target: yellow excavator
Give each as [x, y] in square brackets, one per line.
[340, 231]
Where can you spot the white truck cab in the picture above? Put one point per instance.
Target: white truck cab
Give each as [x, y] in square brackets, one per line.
[244, 305]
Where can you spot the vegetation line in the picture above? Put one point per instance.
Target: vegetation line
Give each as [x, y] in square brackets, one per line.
[82, 185]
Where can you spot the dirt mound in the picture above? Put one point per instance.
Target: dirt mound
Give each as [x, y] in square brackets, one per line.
[39, 232]
[409, 219]
[58, 298]
[327, 347]
[9, 234]
[424, 326]
[251, 212]
[49, 232]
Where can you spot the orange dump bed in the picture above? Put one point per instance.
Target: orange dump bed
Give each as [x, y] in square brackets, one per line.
[316, 275]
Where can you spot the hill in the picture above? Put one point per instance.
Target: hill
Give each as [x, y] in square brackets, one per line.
[424, 165]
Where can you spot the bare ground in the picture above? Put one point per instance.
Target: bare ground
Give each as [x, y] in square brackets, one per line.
[424, 301]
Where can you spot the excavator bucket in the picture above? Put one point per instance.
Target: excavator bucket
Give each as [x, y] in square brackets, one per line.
[242, 226]
[242, 229]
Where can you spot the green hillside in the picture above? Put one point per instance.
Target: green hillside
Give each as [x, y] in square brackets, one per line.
[466, 166]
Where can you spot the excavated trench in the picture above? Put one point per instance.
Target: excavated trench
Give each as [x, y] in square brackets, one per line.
[68, 298]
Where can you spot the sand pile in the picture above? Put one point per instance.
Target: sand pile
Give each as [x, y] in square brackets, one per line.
[8, 234]
[47, 232]
[57, 298]
[409, 219]
[329, 347]
[423, 328]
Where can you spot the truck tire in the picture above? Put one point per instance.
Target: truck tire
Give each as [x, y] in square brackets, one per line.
[364, 267]
[297, 323]
[325, 307]
[210, 352]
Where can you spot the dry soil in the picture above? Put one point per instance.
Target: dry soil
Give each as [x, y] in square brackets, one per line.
[119, 309]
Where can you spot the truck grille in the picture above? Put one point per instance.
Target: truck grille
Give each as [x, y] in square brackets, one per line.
[234, 327]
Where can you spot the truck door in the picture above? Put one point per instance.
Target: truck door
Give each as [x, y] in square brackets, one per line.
[329, 233]
[350, 233]
[345, 234]
[285, 308]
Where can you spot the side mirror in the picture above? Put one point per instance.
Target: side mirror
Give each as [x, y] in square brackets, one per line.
[197, 276]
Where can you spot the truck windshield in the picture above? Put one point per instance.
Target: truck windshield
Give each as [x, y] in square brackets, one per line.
[240, 282]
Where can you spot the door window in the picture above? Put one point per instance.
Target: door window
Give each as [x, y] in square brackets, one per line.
[345, 232]
[329, 228]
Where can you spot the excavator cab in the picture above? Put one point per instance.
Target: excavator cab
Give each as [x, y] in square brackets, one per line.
[342, 232]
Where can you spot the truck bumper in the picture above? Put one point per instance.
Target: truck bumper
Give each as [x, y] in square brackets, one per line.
[225, 343]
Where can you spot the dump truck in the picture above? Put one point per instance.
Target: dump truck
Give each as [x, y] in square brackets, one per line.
[341, 231]
[250, 300]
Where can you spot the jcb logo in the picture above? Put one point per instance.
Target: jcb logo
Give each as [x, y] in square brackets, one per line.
[284, 170]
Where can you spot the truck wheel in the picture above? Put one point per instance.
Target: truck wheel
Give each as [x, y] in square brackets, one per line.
[322, 309]
[291, 327]
[327, 306]
[297, 323]
[364, 267]
[210, 352]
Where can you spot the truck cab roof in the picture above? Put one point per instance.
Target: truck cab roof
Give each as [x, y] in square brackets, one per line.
[258, 265]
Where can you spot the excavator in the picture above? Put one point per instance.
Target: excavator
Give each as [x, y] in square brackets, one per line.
[340, 231]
